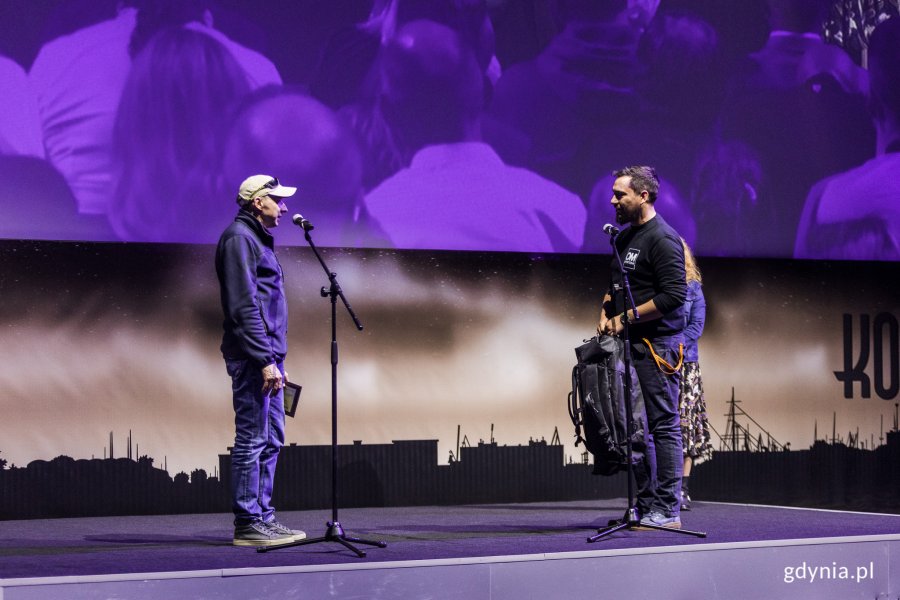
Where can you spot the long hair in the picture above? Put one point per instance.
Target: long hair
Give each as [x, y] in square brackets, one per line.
[154, 15]
[169, 130]
[690, 264]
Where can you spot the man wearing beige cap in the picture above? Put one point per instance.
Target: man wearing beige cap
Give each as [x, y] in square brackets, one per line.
[254, 346]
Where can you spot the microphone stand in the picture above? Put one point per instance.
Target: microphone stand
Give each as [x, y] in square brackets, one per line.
[632, 519]
[334, 531]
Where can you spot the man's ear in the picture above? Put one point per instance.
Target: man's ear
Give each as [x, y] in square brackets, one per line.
[207, 18]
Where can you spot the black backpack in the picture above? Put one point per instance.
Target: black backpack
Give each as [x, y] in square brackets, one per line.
[597, 403]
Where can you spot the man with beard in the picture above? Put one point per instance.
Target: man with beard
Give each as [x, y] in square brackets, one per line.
[653, 258]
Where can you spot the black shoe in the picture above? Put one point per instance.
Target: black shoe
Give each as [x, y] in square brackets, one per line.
[258, 533]
[685, 501]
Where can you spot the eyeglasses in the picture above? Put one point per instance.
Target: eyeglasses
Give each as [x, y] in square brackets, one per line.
[271, 184]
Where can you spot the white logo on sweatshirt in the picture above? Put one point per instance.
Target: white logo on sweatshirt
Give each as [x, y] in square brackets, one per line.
[631, 257]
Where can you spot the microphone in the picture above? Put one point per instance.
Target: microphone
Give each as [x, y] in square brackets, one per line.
[302, 222]
[608, 229]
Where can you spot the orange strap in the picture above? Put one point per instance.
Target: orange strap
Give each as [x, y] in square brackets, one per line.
[663, 365]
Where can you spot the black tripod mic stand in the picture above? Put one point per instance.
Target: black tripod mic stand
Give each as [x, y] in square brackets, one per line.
[631, 520]
[334, 532]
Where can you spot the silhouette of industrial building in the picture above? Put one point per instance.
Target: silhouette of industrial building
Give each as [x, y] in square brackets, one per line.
[406, 473]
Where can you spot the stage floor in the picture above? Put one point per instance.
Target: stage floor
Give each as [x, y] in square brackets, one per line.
[72, 550]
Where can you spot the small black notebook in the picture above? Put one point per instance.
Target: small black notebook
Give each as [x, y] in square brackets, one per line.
[291, 398]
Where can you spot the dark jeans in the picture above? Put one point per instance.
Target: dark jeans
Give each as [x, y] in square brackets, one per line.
[259, 436]
[658, 474]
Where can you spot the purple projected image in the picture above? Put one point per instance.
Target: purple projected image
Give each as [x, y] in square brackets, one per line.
[432, 96]
[832, 227]
[456, 124]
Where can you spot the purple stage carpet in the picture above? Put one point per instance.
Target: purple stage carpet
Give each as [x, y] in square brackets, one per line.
[486, 551]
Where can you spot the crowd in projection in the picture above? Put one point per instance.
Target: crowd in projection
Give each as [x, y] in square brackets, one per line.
[457, 124]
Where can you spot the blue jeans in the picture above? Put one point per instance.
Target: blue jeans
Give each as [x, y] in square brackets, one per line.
[259, 436]
[658, 474]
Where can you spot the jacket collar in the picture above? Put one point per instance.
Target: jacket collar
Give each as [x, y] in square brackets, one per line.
[247, 218]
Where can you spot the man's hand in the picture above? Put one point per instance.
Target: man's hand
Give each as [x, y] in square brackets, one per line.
[601, 326]
[604, 320]
[610, 326]
[272, 379]
[614, 326]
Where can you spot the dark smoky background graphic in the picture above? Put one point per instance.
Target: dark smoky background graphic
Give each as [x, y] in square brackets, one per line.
[113, 337]
[125, 337]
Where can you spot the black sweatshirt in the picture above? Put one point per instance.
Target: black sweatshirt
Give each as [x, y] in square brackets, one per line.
[654, 261]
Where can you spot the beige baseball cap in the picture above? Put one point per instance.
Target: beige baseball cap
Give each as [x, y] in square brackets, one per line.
[256, 186]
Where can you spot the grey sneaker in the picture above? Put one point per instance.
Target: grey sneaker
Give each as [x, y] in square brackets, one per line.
[283, 530]
[661, 520]
[258, 533]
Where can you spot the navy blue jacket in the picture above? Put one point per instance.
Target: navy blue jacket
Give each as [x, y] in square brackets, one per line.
[694, 320]
[252, 289]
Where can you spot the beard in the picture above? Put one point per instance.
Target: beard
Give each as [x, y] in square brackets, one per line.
[625, 215]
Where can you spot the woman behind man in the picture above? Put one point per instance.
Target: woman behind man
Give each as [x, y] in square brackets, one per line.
[170, 127]
[691, 404]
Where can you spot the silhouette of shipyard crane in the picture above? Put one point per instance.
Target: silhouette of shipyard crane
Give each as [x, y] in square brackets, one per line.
[738, 436]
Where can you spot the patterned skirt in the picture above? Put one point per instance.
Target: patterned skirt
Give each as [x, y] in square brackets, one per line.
[694, 422]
